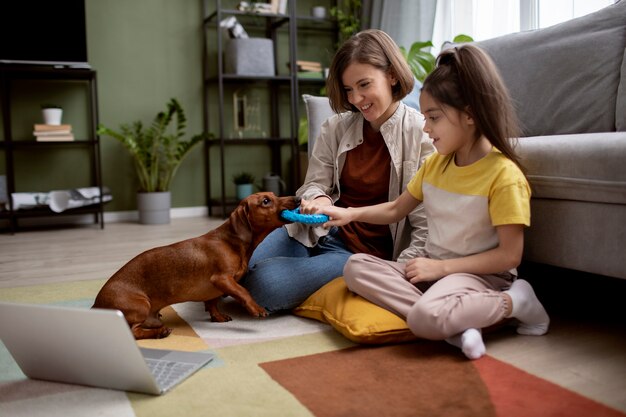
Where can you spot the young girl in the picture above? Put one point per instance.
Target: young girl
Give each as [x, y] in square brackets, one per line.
[477, 202]
[364, 155]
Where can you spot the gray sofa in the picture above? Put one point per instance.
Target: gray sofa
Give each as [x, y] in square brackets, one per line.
[568, 83]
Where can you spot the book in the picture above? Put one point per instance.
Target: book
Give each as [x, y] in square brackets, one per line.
[52, 132]
[312, 75]
[40, 127]
[309, 68]
[302, 65]
[56, 138]
[303, 62]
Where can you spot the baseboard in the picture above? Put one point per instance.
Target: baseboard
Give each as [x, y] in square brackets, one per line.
[109, 217]
[175, 213]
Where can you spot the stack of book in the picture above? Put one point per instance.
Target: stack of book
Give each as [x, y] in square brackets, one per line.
[53, 133]
[309, 69]
[312, 66]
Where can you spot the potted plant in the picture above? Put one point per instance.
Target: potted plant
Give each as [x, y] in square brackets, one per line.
[52, 114]
[421, 61]
[348, 15]
[245, 183]
[157, 153]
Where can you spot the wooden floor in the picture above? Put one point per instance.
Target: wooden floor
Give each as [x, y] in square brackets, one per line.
[584, 351]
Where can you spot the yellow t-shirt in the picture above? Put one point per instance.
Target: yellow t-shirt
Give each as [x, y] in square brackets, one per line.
[464, 204]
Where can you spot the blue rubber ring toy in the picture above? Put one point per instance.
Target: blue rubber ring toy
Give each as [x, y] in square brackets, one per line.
[296, 217]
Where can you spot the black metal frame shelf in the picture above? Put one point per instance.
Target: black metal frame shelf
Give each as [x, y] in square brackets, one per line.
[10, 145]
[271, 25]
[33, 145]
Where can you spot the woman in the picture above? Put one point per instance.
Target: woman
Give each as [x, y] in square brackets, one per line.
[365, 155]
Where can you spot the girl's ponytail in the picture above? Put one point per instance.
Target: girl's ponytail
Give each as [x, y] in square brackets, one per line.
[466, 79]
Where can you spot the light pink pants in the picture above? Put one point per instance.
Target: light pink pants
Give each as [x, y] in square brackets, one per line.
[433, 310]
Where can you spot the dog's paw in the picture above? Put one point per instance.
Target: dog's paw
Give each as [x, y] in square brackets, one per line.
[164, 332]
[220, 318]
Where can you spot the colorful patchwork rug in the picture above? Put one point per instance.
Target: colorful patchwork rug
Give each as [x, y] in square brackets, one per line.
[291, 366]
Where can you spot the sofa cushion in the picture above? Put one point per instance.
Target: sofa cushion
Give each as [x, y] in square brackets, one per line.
[564, 78]
[583, 167]
[317, 111]
[620, 110]
[353, 316]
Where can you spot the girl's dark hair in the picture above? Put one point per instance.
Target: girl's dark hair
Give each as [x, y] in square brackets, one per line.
[466, 79]
[373, 47]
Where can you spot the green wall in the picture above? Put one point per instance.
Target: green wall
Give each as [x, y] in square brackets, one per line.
[145, 52]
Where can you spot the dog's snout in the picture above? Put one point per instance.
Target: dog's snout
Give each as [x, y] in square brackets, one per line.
[288, 203]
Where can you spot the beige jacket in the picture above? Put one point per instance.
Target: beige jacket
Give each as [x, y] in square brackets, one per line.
[408, 146]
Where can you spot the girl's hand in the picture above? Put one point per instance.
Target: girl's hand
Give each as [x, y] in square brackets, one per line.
[424, 269]
[338, 216]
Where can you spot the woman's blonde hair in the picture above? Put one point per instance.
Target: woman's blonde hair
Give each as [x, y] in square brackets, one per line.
[466, 79]
[373, 47]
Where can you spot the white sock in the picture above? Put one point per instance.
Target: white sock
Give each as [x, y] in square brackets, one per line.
[470, 342]
[527, 309]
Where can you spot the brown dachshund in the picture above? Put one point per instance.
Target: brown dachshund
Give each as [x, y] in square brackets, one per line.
[199, 269]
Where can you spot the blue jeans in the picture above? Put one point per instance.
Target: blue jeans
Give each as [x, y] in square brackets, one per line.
[283, 272]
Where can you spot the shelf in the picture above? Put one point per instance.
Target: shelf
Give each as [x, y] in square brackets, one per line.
[234, 78]
[249, 141]
[32, 144]
[10, 73]
[280, 123]
[279, 19]
[46, 212]
[46, 72]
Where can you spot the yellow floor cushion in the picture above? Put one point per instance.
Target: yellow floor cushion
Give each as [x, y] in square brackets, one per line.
[353, 316]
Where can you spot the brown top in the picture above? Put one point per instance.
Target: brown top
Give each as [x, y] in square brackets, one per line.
[365, 181]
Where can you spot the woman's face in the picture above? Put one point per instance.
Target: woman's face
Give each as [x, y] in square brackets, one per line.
[369, 90]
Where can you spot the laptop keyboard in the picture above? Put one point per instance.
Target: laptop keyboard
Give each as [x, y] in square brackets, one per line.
[168, 373]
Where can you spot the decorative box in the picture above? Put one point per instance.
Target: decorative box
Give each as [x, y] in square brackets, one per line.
[249, 56]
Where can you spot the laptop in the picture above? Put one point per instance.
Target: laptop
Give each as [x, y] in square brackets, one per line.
[92, 347]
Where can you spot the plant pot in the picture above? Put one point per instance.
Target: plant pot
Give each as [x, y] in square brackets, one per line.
[274, 184]
[52, 116]
[154, 208]
[243, 190]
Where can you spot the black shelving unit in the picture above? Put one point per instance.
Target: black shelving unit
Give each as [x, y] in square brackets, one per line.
[10, 144]
[271, 26]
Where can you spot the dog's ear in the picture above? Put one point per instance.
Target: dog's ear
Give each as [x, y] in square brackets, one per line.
[240, 220]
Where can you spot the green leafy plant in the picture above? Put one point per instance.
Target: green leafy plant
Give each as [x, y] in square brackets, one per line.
[421, 60]
[157, 151]
[303, 132]
[348, 15]
[243, 178]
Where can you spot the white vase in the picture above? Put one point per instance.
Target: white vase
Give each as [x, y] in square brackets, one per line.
[154, 208]
[52, 116]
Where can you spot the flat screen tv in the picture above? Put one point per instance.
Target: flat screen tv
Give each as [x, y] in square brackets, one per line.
[44, 32]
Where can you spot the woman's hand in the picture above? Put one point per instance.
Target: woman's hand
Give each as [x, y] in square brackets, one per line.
[424, 269]
[313, 206]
